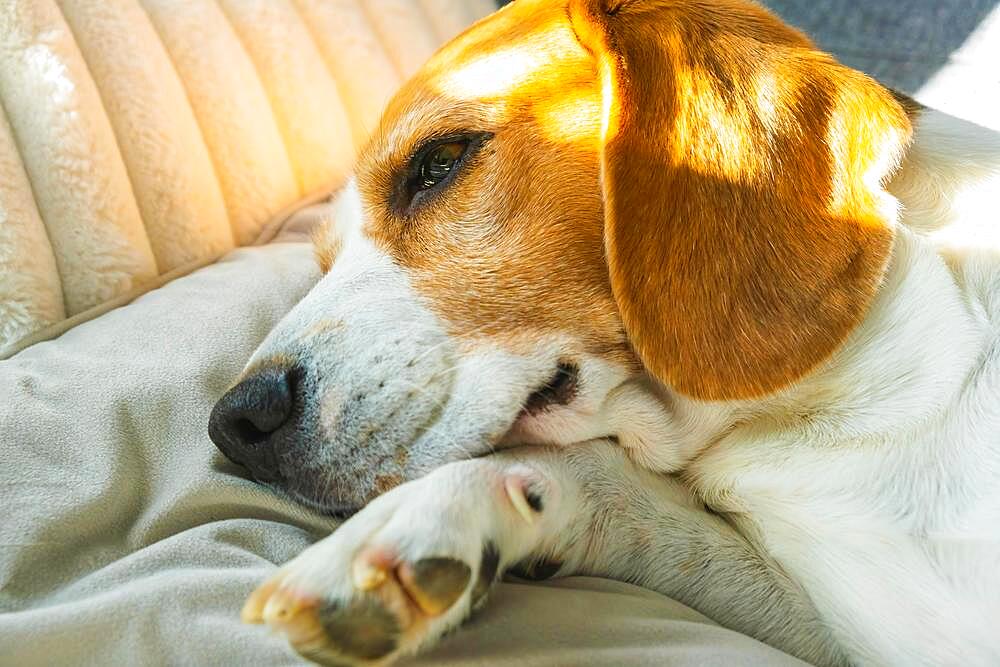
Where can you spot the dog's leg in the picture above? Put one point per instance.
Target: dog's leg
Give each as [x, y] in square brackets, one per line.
[413, 563]
[650, 530]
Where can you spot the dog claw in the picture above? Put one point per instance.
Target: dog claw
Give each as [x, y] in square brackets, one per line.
[367, 576]
[515, 491]
[285, 605]
[253, 608]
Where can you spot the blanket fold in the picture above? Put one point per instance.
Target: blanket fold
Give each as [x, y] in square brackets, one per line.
[128, 539]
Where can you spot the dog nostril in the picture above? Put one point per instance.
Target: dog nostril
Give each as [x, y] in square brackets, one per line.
[560, 389]
[249, 433]
[247, 415]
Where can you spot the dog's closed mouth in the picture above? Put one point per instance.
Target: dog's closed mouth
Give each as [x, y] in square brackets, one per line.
[560, 389]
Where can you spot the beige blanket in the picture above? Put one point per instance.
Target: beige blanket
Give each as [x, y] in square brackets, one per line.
[127, 539]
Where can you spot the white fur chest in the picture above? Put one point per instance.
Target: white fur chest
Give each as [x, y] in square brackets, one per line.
[887, 538]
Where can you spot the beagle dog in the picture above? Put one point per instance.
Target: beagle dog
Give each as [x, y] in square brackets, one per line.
[651, 290]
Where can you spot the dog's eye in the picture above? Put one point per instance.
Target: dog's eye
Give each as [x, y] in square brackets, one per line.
[439, 163]
[434, 166]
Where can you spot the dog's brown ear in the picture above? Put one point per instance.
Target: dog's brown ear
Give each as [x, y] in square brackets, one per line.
[746, 227]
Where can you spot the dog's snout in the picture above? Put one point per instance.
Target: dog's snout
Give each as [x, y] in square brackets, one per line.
[244, 419]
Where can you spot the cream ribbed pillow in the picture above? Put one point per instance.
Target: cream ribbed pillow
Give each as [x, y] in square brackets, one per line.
[141, 138]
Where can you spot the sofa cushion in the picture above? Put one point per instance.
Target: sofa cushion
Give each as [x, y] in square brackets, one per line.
[142, 137]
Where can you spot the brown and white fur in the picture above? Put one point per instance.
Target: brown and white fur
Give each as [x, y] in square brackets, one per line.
[701, 309]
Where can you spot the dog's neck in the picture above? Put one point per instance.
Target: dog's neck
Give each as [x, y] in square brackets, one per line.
[906, 362]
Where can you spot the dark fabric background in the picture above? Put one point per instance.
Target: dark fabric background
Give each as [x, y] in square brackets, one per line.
[902, 43]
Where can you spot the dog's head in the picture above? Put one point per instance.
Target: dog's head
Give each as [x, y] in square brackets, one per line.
[575, 215]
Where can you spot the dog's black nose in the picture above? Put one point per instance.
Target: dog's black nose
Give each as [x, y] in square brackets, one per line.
[243, 421]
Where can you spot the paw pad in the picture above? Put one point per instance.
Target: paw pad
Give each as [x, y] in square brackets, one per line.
[362, 629]
[435, 584]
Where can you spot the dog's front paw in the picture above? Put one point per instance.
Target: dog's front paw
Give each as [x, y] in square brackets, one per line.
[407, 568]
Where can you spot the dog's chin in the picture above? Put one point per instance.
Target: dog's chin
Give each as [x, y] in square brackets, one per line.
[334, 509]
